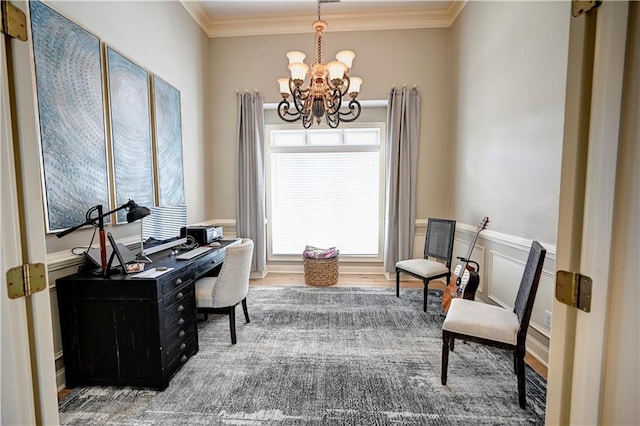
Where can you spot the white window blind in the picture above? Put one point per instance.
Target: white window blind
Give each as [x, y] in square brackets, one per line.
[325, 190]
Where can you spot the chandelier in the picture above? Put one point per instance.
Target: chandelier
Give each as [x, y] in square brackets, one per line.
[328, 84]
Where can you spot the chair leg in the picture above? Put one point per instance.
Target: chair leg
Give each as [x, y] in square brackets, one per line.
[445, 358]
[426, 292]
[522, 396]
[244, 308]
[397, 283]
[232, 323]
[451, 343]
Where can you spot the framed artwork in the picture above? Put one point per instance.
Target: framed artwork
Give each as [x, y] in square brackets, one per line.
[71, 112]
[168, 132]
[130, 124]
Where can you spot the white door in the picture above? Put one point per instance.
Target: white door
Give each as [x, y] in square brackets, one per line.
[28, 395]
[593, 363]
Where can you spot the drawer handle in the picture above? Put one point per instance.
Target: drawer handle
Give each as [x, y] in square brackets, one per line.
[180, 308]
[181, 334]
[184, 358]
[180, 295]
[182, 346]
[179, 281]
[181, 321]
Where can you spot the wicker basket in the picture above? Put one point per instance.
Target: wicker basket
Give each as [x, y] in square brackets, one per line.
[321, 272]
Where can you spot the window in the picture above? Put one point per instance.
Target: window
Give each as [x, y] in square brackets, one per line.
[324, 189]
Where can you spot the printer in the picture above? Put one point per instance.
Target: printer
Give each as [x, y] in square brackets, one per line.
[202, 235]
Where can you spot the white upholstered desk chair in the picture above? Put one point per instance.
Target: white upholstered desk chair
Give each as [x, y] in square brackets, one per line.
[496, 326]
[221, 294]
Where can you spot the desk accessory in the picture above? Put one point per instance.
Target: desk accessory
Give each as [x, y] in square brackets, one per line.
[135, 212]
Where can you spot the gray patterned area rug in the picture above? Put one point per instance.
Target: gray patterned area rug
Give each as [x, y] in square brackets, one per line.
[324, 356]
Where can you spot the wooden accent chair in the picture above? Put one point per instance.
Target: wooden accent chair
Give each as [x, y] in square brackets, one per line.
[221, 294]
[436, 262]
[495, 326]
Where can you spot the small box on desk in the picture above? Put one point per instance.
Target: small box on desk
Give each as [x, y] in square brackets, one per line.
[202, 235]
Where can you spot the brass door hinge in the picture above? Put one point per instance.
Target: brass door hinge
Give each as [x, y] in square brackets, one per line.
[25, 280]
[574, 289]
[578, 7]
[14, 21]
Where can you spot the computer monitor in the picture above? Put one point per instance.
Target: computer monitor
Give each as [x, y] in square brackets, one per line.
[161, 229]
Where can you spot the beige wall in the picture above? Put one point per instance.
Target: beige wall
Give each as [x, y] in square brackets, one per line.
[384, 59]
[160, 36]
[163, 38]
[509, 63]
[508, 78]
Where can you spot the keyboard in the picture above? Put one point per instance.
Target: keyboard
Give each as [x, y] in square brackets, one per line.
[193, 253]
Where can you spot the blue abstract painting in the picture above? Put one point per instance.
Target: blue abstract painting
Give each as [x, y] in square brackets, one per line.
[71, 112]
[168, 129]
[130, 118]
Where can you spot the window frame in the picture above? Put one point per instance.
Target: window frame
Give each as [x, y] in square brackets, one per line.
[381, 127]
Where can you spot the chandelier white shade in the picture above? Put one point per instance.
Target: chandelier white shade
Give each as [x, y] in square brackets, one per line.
[318, 90]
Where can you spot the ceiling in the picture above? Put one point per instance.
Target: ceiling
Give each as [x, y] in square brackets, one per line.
[229, 18]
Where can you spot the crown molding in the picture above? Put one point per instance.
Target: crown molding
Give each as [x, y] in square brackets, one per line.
[372, 21]
[198, 13]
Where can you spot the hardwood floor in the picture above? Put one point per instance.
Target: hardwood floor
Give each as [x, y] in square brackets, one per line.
[370, 280]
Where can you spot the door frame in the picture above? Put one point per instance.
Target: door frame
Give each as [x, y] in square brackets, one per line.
[597, 45]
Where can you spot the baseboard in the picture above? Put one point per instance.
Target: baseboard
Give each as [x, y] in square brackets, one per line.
[60, 380]
[538, 350]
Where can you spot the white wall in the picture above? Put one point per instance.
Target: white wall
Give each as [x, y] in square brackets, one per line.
[384, 59]
[509, 62]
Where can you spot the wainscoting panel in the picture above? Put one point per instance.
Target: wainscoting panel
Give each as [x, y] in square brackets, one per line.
[504, 276]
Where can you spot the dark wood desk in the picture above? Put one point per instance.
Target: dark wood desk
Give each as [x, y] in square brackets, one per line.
[131, 331]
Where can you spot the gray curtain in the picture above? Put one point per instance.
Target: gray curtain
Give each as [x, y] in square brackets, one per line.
[250, 214]
[403, 133]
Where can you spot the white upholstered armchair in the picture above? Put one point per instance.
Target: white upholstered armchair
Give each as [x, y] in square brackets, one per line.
[221, 294]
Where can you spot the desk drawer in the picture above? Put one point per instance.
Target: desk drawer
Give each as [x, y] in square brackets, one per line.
[179, 294]
[205, 264]
[181, 333]
[181, 356]
[181, 309]
[177, 281]
[181, 345]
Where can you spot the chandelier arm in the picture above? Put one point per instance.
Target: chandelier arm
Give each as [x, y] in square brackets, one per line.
[346, 83]
[333, 120]
[334, 101]
[300, 100]
[343, 87]
[354, 109]
[307, 121]
[284, 113]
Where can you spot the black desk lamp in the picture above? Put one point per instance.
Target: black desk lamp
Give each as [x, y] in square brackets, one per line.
[135, 212]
